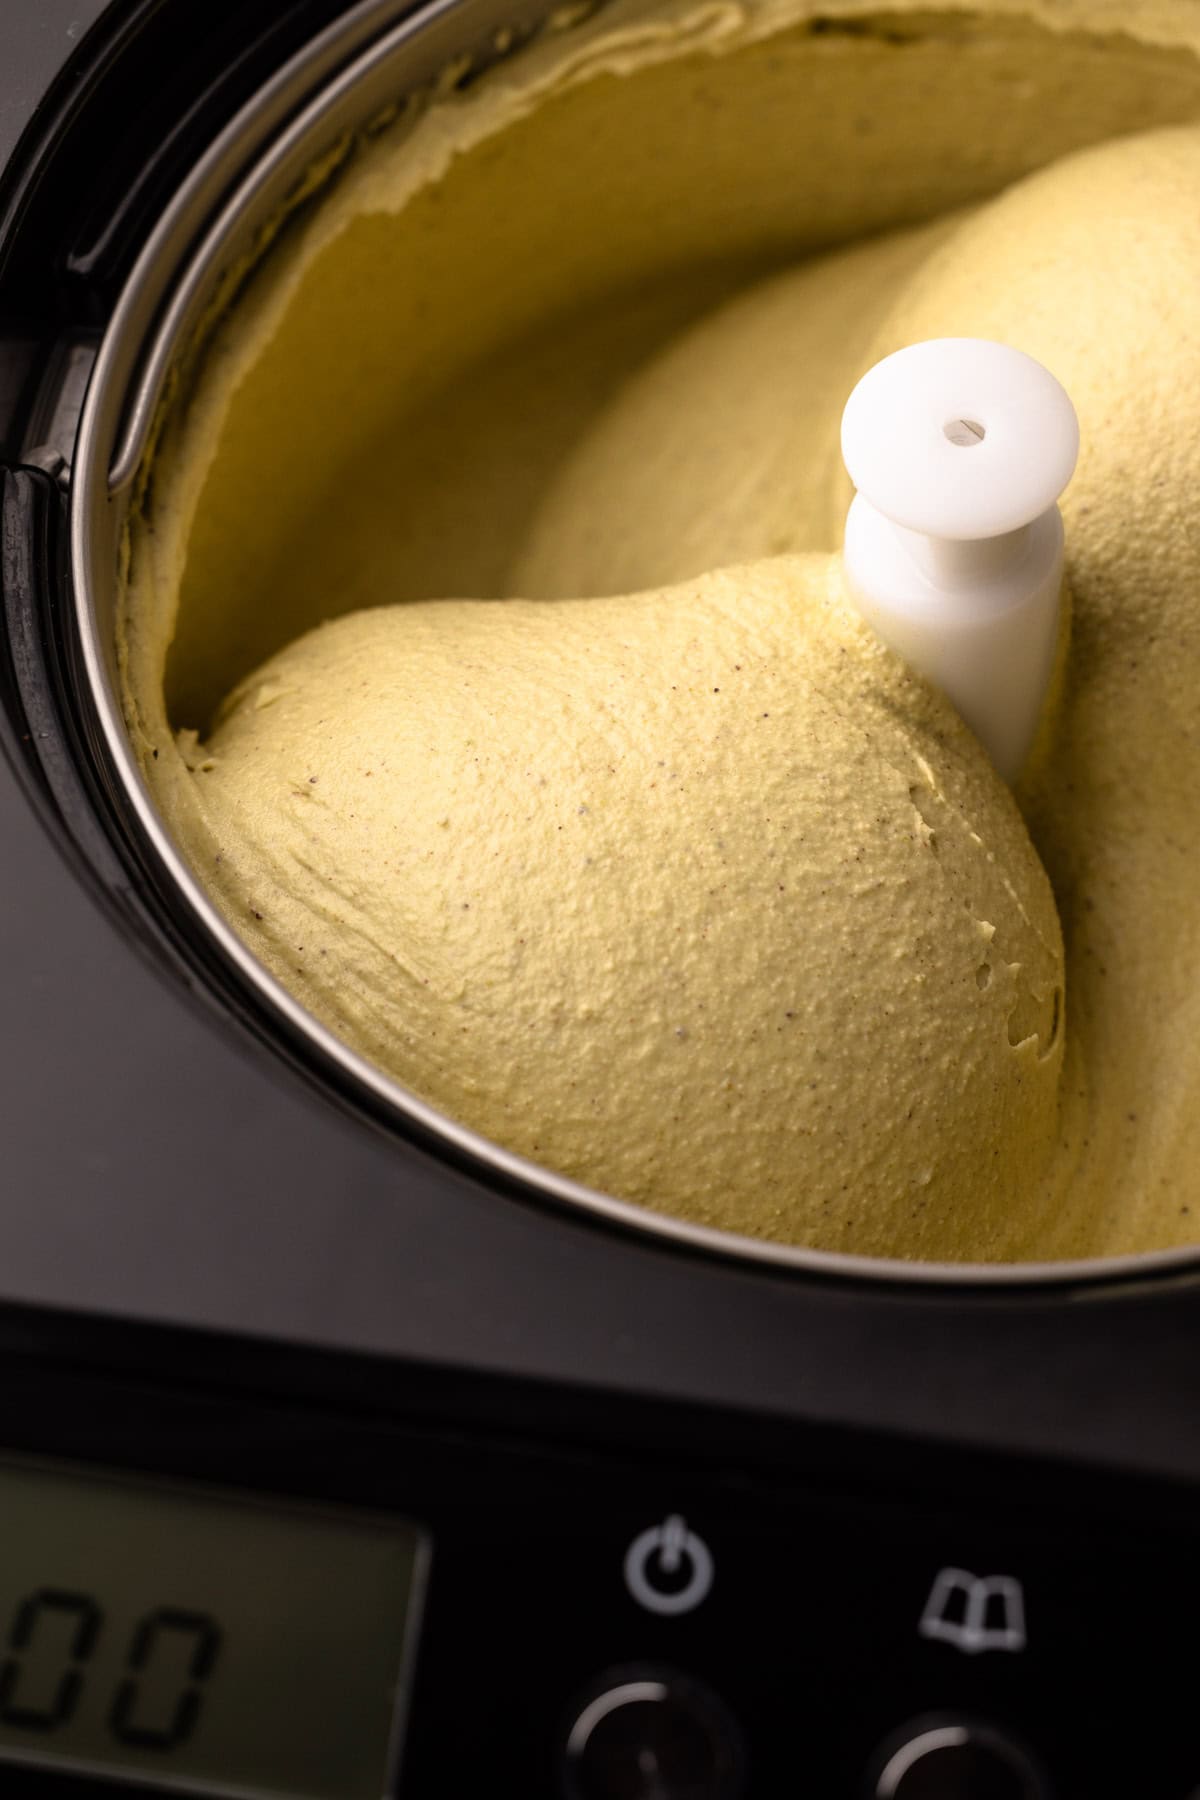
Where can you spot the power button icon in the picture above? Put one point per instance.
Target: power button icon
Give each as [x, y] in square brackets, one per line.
[668, 1569]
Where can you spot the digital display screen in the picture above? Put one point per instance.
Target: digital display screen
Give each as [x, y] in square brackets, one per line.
[165, 1634]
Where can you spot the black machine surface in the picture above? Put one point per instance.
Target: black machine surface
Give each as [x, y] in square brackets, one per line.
[627, 1522]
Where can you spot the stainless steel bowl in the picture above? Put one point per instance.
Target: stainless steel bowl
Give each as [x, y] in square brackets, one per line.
[349, 80]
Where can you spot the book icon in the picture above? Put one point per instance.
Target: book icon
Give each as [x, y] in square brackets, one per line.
[975, 1612]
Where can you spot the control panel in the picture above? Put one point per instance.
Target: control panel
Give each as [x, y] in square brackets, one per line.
[730, 1643]
[574, 1604]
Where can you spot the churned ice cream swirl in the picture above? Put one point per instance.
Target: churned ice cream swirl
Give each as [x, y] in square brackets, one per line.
[649, 862]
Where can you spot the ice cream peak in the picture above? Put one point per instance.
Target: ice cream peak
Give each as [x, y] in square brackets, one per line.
[697, 896]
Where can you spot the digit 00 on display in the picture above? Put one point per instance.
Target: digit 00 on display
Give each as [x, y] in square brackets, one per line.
[233, 1646]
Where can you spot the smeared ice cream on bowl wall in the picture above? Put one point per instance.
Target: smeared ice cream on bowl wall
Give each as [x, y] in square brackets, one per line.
[488, 649]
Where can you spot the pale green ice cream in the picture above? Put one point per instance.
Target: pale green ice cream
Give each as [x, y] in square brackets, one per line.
[667, 875]
[699, 880]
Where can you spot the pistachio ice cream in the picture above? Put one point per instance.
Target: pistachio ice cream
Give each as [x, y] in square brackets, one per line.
[486, 643]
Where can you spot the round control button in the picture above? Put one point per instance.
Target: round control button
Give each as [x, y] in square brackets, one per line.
[653, 1735]
[956, 1759]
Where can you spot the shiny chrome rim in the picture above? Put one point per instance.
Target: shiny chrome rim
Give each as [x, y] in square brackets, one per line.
[379, 49]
